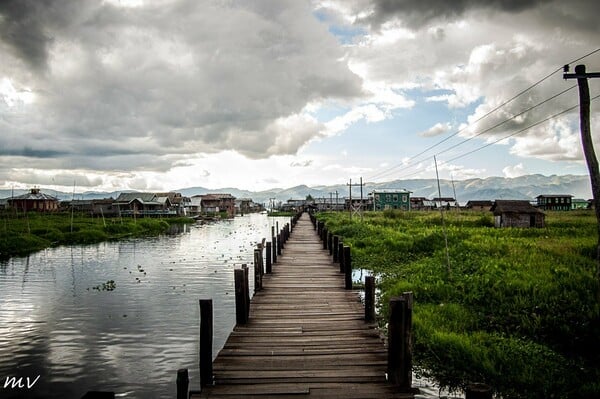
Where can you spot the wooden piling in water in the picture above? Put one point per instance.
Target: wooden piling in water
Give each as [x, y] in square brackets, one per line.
[347, 268]
[268, 254]
[400, 342]
[183, 382]
[341, 256]
[274, 248]
[369, 298]
[258, 273]
[336, 241]
[279, 244]
[241, 307]
[206, 341]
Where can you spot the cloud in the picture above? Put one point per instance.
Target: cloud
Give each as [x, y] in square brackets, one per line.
[121, 88]
[301, 164]
[514, 171]
[436, 130]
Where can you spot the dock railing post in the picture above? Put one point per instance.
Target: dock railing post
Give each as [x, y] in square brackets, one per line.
[336, 241]
[183, 383]
[279, 244]
[257, 270]
[347, 268]
[369, 299]
[400, 342]
[241, 314]
[341, 256]
[206, 341]
[324, 237]
[330, 242]
[268, 260]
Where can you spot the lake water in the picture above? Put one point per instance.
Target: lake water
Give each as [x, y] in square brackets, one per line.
[54, 324]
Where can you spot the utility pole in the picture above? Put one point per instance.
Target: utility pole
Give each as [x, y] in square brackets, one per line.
[350, 204]
[588, 147]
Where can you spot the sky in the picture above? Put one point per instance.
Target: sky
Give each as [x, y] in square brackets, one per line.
[158, 95]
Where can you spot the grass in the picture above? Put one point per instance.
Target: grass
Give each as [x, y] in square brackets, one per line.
[515, 308]
[31, 232]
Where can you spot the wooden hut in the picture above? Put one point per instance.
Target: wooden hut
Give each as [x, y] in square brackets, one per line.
[509, 213]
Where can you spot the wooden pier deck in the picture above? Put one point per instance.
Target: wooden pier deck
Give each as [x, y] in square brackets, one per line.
[306, 335]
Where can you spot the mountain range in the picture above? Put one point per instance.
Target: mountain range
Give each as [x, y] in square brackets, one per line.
[523, 187]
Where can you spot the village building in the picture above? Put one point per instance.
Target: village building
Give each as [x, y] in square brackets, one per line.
[35, 200]
[509, 213]
[579, 203]
[194, 206]
[217, 203]
[177, 200]
[554, 202]
[140, 204]
[479, 205]
[421, 204]
[390, 199]
[93, 207]
[446, 202]
[358, 204]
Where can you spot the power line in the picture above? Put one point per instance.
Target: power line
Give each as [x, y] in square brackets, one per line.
[517, 132]
[386, 171]
[504, 137]
[492, 127]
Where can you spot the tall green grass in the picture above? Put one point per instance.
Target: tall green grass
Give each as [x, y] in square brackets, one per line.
[26, 233]
[515, 308]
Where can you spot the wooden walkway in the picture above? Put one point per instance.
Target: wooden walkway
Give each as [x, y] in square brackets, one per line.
[306, 335]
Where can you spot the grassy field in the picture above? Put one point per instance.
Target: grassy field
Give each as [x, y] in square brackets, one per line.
[26, 233]
[514, 308]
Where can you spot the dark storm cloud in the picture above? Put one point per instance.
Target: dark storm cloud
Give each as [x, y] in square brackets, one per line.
[414, 14]
[175, 77]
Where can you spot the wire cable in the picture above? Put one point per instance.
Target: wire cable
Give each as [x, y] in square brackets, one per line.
[404, 163]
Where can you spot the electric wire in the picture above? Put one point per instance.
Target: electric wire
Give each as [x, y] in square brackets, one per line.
[404, 163]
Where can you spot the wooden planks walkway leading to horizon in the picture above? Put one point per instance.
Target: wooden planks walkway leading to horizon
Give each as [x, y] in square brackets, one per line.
[306, 335]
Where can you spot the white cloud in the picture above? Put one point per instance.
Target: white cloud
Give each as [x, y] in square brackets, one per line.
[514, 171]
[436, 130]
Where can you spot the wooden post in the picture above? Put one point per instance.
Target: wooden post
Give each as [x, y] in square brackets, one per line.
[400, 342]
[348, 268]
[247, 288]
[279, 244]
[257, 271]
[324, 237]
[336, 241]
[183, 383]
[330, 243]
[241, 314]
[369, 298]
[341, 256]
[268, 254]
[274, 240]
[206, 341]
[478, 391]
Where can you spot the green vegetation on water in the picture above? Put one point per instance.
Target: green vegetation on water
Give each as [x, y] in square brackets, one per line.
[26, 233]
[515, 309]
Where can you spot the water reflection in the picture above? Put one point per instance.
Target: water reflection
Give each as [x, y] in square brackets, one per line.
[53, 323]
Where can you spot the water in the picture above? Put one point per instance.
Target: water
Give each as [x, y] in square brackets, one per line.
[54, 324]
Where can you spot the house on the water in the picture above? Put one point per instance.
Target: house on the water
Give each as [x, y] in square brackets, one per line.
[217, 203]
[390, 199]
[479, 205]
[554, 202]
[510, 213]
[35, 200]
[143, 204]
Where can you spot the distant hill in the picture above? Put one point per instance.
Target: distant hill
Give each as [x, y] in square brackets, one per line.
[491, 188]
